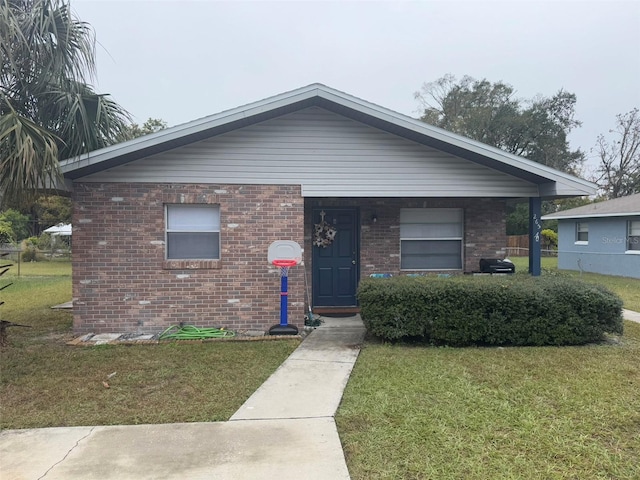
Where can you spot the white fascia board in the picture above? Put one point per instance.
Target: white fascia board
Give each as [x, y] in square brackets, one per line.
[558, 216]
[562, 188]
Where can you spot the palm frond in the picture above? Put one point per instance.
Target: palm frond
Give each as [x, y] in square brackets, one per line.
[41, 43]
[67, 45]
[47, 107]
[55, 41]
[83, 119]
[28, 157]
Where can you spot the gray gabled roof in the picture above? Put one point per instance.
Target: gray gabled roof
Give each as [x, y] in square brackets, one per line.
[551, 182]
[618, 207]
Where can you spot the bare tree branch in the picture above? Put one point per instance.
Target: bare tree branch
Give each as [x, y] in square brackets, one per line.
[619, 158]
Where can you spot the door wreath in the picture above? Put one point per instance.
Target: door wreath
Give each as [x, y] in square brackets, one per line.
[325, 234]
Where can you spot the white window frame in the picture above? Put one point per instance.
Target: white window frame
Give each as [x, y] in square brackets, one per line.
[582, 228]
[421, 219]
[633, 232]
[210, 226]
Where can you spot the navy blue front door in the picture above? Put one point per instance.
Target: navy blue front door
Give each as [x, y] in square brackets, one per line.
[335, 263]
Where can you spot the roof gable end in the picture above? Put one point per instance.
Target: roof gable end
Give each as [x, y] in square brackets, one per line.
[551, 182]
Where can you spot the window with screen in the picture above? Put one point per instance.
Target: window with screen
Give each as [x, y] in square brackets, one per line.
[633, 238]
[431, 238]
[193, 232]
[582, 232]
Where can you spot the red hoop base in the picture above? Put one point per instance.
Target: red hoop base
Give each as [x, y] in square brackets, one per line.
[285, 263]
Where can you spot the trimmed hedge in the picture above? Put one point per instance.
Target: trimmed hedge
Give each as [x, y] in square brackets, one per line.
[496, 310]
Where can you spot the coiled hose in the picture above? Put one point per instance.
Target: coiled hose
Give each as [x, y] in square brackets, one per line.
[189, 332]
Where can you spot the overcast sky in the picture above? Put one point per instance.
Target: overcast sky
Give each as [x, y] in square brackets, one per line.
[181, 60]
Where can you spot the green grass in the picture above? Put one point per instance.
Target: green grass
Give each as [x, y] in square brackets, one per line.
[627, 288]
[45, 383]
[482, 413]
[522, 263]
[29, 298]
[34, 269]
[414, 412]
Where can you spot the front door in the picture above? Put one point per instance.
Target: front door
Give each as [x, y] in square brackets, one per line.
[334, 239]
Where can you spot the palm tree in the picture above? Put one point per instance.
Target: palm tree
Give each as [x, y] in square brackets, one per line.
[48, 109]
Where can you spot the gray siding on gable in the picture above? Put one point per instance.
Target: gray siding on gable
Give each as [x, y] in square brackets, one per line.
[328, 155]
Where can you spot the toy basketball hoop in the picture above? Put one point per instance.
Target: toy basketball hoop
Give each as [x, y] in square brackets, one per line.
[284, 254]
[284, 266]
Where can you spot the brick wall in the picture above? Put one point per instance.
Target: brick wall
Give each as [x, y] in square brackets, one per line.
[485, 226]
[122, 282]
[484, 229]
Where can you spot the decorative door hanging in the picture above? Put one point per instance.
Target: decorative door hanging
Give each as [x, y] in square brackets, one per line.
[324, 233]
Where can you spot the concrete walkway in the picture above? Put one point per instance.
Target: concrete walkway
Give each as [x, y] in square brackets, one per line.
[631, 315]
[285, 430]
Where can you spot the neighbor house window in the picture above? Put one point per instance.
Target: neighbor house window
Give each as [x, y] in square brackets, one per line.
[633, 242]
[582, 232]
[193, 232]
[431, 239]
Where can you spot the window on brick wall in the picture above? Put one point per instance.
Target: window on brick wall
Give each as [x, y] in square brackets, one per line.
[431, 238]
[582, 232]
[193, 232]
[633, 237]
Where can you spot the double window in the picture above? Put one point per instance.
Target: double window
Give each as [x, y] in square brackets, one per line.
[431, 238]
[633, 237]
[582, 232]
[193, 232]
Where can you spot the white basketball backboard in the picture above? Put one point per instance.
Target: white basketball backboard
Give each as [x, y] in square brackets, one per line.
[284, 250]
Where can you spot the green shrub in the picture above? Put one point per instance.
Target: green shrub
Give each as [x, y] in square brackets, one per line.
[18, 223]
[550, 238]
[30, 255]
[497, 310]
[7, 235]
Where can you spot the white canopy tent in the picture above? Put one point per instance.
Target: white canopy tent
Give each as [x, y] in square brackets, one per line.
[62, 229]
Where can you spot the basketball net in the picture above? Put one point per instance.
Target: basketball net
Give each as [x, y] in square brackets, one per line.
[284, 265]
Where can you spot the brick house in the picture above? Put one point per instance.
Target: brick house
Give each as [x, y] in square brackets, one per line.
[174, 226]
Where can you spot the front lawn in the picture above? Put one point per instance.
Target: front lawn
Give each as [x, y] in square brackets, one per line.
[45, 383]
[478, 413]
[416, 412]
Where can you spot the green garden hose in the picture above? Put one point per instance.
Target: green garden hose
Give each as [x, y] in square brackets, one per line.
[189, 332]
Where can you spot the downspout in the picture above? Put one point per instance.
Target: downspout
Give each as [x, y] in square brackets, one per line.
[535, 227]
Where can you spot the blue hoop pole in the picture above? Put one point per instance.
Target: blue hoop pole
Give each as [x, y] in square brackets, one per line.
[284, 295]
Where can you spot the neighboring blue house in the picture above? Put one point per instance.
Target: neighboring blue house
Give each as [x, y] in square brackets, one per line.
[601, 237]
